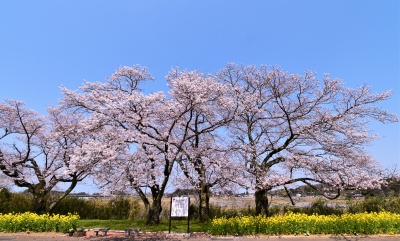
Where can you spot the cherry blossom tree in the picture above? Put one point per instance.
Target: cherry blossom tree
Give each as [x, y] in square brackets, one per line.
[207, 165]
[297, 129]
[204, 162]
[5, 181]
[35, 152]
[149, 127]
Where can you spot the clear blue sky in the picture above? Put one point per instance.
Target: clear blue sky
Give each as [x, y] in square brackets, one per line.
[46, 44]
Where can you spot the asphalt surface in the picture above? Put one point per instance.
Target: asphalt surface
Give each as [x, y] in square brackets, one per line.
[185, 237]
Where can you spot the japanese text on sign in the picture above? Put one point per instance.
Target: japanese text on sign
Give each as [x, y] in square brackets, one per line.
[180, 207]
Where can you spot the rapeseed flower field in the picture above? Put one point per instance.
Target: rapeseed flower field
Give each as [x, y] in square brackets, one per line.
[31, 222]
[296, 224]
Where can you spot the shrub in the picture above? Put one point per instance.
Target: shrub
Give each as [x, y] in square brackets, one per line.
[321, 207]
[14, 202]
[375, 204]
[116, 208]
[119, 208]
[72, 205]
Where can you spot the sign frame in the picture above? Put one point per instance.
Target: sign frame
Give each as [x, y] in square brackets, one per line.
[179, 207]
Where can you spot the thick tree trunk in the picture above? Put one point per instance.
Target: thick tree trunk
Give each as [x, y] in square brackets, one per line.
[261, 199]
[153, 216]
[53, 203]
[39, 205]
[43, 202]
[144, 199]
[157, 192]
[204, 203]
[40, 196]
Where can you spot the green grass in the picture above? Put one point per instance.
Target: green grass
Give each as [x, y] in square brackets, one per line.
[176, 225]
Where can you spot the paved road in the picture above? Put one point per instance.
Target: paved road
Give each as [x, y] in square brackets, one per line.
[63, 237]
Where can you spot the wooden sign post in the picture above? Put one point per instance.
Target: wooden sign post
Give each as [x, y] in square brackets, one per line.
[179, 208]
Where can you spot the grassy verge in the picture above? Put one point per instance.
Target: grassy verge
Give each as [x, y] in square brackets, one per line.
[176, 225]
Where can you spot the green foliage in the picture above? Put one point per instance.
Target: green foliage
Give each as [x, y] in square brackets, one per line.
[217, 211]
[5, 197]
[71, 205]
[375, 204]
[116, 208]
[119, 208]
[319, 206]
[14, 202]
[185, 192]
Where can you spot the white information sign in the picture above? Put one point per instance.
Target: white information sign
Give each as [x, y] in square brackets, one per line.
[180, 207]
